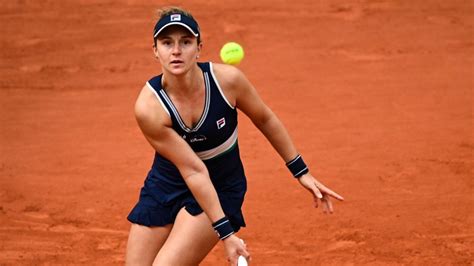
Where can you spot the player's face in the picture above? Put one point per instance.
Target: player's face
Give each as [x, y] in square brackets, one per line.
[177, 50]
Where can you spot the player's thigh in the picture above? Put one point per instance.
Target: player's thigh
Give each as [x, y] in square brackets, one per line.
[190, 240]
[144, 243]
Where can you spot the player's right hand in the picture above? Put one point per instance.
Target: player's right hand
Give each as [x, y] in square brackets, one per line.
[234, 248]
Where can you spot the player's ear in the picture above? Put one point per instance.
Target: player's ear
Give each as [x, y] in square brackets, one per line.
[199, 48]
[155, 51]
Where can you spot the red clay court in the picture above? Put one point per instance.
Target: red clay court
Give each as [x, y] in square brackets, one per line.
[377, 96]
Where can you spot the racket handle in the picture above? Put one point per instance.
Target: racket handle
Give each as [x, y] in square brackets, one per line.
[242, 261]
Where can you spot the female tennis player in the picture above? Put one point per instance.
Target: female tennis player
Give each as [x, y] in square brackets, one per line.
[193, 194]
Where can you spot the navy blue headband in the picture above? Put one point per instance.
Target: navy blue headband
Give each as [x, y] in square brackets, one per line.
[176, 19]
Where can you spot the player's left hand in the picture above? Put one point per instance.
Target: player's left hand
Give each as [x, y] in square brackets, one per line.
[319, 192]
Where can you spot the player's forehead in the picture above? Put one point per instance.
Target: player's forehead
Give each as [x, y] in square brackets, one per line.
[175, 31]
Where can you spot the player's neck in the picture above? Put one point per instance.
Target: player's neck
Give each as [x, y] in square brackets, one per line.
[184, 84]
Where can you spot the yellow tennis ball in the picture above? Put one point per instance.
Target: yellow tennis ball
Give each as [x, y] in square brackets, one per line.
[232, 53]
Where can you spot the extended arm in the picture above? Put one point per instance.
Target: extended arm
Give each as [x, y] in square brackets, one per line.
[247, 99]
[268, 123]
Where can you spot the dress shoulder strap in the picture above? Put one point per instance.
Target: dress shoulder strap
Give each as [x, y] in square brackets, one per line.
[154, 85]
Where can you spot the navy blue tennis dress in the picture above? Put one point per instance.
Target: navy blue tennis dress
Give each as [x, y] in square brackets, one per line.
[214, 140]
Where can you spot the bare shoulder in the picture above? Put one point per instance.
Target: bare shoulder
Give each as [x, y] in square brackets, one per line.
[149, 113]
[228, 76]
[233, 82]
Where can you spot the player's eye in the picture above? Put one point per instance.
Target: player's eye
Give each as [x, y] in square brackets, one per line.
[165, 42]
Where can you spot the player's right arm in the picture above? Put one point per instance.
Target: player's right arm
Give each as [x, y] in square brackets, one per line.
[155, 124]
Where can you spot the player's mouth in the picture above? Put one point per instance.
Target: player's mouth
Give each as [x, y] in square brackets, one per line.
[176, 62]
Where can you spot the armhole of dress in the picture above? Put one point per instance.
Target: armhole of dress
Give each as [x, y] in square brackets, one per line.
[219, 86]
[158, 97]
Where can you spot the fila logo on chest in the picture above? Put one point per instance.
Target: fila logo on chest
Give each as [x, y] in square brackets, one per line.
[220, 123]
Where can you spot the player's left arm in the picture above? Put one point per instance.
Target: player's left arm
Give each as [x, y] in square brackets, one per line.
[246, 98]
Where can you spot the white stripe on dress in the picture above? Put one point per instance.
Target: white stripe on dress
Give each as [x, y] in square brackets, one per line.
[158, 97]
[229, 143]
[173, 109]
[207, 102]
[219, 86]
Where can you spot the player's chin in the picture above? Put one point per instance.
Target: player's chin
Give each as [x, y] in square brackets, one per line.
[178, 69]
